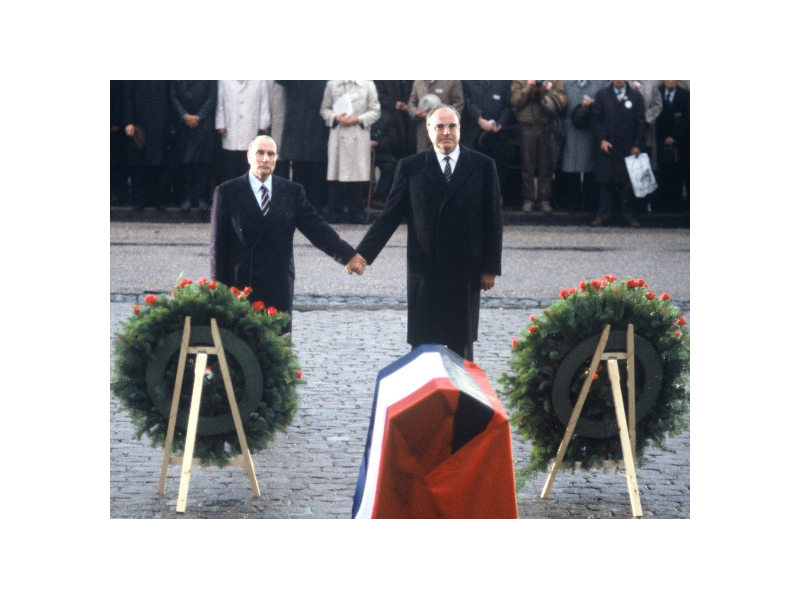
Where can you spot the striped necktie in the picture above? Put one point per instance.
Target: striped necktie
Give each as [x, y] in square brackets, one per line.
[264, 200]
[448, 173]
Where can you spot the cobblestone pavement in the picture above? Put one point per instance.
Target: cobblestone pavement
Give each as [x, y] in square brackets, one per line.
[311, 471]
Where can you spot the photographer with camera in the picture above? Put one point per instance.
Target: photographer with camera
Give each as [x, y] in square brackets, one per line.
[537, 104]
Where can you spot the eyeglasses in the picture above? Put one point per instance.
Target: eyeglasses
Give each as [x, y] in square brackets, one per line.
[440, 127]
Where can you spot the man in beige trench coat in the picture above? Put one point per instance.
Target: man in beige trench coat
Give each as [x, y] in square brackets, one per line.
[349, 108]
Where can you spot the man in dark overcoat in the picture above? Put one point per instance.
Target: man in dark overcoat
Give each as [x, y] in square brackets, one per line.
[672, 140]
[455, 234]
[146, 106]
[487, 118]
[618, 127]
[305, 137]
[393, 95]
[252, 231]
[195, 106]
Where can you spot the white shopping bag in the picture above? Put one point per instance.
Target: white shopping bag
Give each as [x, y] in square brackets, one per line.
[642, 178]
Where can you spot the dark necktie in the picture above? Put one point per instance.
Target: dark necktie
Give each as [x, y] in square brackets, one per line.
[264, 200]
[448, 173]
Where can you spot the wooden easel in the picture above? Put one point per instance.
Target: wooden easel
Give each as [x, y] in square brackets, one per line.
[627, 432]
[188, 459]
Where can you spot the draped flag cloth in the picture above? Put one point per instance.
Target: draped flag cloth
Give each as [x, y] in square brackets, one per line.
[438, 445]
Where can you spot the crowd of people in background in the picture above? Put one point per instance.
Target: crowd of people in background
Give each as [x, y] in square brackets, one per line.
[555, 145]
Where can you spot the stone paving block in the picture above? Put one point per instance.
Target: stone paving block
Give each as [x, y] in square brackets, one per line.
[310, 471]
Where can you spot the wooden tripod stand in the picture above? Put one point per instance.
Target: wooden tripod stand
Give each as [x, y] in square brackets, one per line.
[188, 459]
[627, 432]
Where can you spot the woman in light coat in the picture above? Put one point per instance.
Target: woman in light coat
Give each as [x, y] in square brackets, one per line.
[349, 108]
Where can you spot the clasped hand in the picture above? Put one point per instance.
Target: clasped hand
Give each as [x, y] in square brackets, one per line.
[356, 265]
[347, 121]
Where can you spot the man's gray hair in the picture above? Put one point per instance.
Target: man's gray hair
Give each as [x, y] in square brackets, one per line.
[440, 107]
[255, 139]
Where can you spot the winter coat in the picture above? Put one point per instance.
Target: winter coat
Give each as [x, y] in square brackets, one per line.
[146, 104]
[305, 137]
[449, 92]
[455, 233]
[490, 100]
[537, 112]
[348, 146]
[622, 124]
[250, 249]
[194, 146]
[653, 105]
[579, 152]
[243, 110]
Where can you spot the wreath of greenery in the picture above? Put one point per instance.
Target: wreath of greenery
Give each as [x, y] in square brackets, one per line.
[550, 362]
[145, 364]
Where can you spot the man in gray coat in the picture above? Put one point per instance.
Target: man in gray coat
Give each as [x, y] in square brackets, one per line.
[450, 198]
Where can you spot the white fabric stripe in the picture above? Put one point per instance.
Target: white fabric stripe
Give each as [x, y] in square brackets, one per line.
[391, 389]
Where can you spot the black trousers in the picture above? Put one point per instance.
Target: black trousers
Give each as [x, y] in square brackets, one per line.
[196, 182]
[148, 185]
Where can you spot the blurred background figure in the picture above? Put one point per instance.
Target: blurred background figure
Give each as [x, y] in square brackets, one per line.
[421, 101]
[242, 112]
[672, 134]
[119, 167]
[277, 114]
[304, 142]
[537, 104]
[619, 127]
[486, 121]
[349, 108]
[195, 104]
[148, 124]
[575, 183]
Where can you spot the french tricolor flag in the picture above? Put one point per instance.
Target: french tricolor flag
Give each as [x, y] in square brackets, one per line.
[438, 445]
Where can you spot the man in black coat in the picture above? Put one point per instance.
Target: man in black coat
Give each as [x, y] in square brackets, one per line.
[305, 137]
[487, 118]
[618, 125]
[252, 231]
[454, 218]
[393, 95]
[672, 137]
[146, 106]
[195, 105]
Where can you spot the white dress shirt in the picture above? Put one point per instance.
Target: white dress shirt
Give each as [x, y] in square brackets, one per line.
[453, 158]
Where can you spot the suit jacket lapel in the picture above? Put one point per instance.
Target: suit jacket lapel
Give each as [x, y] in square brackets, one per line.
[432, 168]
[278, 195]
[247, 200]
